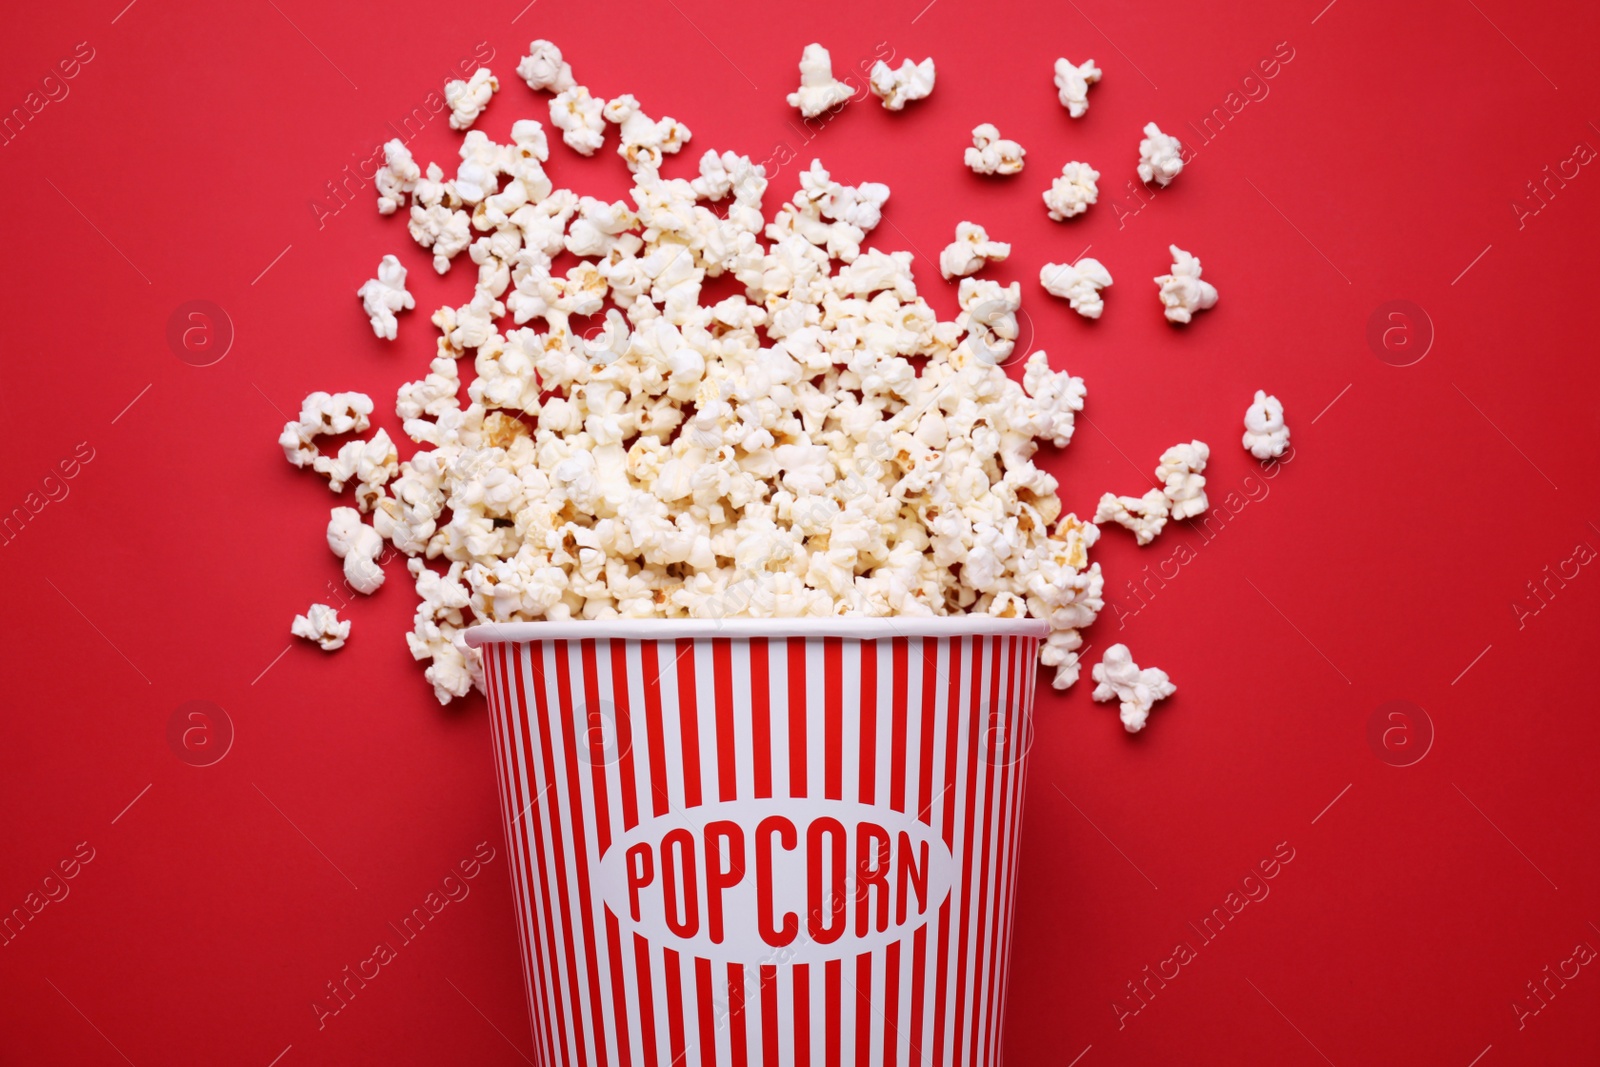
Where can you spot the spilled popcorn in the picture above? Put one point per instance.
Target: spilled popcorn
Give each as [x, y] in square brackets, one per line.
[624, 445]
[775, 453]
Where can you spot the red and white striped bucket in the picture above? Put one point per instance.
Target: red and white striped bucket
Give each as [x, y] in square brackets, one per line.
[763, 842]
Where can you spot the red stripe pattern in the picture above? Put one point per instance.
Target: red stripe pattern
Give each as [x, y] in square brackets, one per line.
[774, 851]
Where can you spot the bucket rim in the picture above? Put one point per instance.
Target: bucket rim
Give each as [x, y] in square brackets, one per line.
[854, 629]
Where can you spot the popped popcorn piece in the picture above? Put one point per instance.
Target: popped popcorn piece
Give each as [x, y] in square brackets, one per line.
[1144, 515]
[481, 164]
[1266, 436]
[397, 177]
[322, 624]
[1077, 283]
[529, 142]
[970, 251]
[579, 118]
[1057, 398]
[1118, 678]
[991, 154]
[1073, 192]
[1160, 156]
[371, 463]
[384, 295]
[436, 631]
[1183, 292]
[989, 315]
[321, 414]
[467, 99]
[1060, 650]
[359, 545]
[543, 68]
[644, 140]
[819, 91]
[1072, 85]
[896, 88]
[1180, 469]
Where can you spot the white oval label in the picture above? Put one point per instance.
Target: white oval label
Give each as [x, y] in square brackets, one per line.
[769, 882]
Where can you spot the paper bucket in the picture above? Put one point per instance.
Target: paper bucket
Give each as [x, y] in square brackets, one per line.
[760, 842]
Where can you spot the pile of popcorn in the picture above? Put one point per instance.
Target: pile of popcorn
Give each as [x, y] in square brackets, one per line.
[820, 444]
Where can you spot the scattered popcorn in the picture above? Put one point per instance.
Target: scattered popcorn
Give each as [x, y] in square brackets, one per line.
[1072, 85]
[1073, 192]
[818, 90]
[1266, 436]
[384, 295]
[811, 441]
[1145, 515]
[990, 154]
[1077, 283]
[323, 414]
[1180, 469]
[322, 624]
[1160, 156]
[1118, 678]
[970, 250]
[467, 99]
[397, 177]
[543, 68]
[579, 118]
[359, 545]
[897, 88]
[1182, 291]
[643, 139]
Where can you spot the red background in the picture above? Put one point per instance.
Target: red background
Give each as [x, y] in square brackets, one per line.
[1381, 565]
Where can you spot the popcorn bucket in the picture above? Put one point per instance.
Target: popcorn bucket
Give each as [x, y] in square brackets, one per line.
[763, 842]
